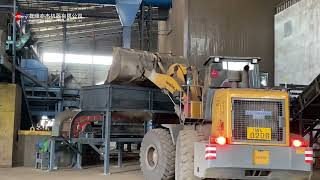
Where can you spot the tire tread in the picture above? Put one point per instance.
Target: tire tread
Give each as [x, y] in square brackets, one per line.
[166, 162]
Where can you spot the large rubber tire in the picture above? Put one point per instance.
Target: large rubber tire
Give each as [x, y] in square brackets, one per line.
[157, 155]
[184, 166]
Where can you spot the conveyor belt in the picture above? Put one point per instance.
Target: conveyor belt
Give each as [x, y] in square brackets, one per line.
[309, 100]
[306, 111]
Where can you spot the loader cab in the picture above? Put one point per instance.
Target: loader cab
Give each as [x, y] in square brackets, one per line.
[228, 72]
[232, 72]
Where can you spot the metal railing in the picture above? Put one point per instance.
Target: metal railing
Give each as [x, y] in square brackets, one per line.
[285, 5]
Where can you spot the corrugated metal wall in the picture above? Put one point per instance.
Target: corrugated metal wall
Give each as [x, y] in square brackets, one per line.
[223, 27]
[171, 37]
[102, 46]
[82, 74]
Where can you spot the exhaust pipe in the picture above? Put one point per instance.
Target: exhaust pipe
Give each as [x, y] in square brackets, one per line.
[245, 77]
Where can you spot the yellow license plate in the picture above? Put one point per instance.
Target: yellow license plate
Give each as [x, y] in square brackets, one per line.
[259, 133]
[261, 157]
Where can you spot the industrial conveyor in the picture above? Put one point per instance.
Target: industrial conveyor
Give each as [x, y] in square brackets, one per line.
[116, 104]
[306, 111]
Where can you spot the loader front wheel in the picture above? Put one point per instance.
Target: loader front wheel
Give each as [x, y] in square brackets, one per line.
[157, 155]
[184, 166]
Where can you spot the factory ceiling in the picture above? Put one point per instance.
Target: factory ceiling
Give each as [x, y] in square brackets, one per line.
[91, 22]
[96, 21]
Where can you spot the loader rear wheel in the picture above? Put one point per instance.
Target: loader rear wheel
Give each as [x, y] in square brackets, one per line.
[157, 155]
[184, 167]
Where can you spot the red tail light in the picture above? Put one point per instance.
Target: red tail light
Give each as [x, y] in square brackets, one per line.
[297, 143]
[221, 140]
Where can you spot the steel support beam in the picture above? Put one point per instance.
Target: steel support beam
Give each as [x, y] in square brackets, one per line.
[14, 38]
[7, 6]
[107, 132]
[29, 114]
[52, 157]
[76, 27]
[120, 154]
[57, 24]
[156, 3]
[94, 147]
[64, 47]
[54, 33]
[80, 36]
[149, 27]
[97, 13]
[142, 27]
[92, 64]
[79, 157]
[31, 77]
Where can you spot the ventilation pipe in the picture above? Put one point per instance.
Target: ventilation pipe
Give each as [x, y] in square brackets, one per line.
[127, 10]
[245, 77]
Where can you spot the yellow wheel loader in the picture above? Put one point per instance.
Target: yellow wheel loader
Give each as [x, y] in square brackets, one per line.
[229, 127]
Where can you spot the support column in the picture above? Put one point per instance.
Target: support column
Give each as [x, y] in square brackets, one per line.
[63, 65]
[129, 147]
[120, 153]
[107, 131]
[145, 126]
[93, 81]
[142, 27]
[52, 161]
[79, 157]
[149, 27]
[14, 38]
[64, 47]
[300, 124]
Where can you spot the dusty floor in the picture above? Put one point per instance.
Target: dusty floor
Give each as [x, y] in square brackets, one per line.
[93, 173]
[24, 173]
[316, 175]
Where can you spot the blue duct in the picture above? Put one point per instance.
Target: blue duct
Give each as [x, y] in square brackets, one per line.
[158, 3]
[127, 10]
[155, 3]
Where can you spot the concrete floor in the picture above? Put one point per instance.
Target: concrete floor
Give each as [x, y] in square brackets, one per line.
[93, 173]
[26, 173]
